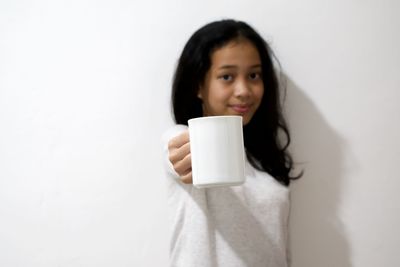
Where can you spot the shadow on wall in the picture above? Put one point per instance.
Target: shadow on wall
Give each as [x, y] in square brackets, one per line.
[317, 235]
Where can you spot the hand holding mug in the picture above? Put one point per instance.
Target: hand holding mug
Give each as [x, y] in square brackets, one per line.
[180, 157]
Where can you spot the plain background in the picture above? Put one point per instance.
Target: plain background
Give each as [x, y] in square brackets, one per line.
[84, 99]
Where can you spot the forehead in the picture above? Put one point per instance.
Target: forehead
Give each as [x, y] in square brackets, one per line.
[239, 52]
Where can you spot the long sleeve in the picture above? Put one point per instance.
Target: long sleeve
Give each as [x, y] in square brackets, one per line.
[238, 226]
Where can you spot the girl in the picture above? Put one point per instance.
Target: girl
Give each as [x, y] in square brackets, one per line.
[226, 69]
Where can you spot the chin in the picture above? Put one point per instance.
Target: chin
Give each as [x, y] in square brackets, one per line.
[245, 120]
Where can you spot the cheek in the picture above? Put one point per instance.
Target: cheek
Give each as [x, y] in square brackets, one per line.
[259, 93]
[218, 94]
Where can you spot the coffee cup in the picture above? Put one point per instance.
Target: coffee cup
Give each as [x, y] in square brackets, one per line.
[217, 151]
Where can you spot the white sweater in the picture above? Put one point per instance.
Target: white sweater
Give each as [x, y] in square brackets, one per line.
[239, 226]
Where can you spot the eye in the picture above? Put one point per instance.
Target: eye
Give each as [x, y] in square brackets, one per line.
[254, 76]
[226, 77]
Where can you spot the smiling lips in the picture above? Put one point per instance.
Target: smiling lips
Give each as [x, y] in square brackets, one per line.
[240, 108]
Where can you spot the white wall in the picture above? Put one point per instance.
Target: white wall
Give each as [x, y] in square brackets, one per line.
[84, 98]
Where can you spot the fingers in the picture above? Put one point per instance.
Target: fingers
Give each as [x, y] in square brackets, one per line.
[183, 166]
[179, 156]
[179, 140]
[179, 147]
[187, 179]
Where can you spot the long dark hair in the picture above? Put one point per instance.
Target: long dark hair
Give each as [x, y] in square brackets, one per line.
[265, 147]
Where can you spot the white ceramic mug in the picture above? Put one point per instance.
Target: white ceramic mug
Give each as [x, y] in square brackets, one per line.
[217, 151]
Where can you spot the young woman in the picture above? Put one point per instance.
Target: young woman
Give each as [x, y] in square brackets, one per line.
[226, 68]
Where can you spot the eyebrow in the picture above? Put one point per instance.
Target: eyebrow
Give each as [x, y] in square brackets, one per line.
[233, 66]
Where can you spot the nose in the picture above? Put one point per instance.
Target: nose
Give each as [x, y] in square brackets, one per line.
[242, 89]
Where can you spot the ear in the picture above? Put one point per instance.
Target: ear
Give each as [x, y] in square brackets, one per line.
[200, 93]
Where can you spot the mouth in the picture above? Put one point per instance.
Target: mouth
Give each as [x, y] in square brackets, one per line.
[240, 108]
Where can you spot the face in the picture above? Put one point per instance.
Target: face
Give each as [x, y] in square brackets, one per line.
[233, 85]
